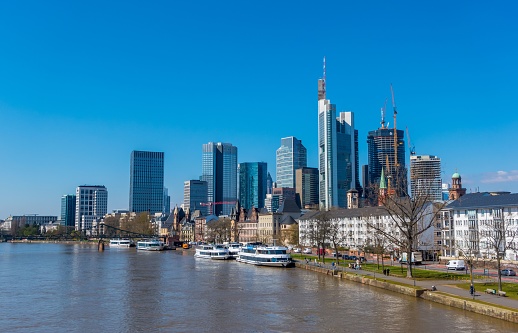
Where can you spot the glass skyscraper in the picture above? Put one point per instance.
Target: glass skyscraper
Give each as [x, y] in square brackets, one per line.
[337, 152]
[68, 210]
[146, 182]
[380, 147]
[252, 184]
[219, 170]
[291, 156]
[195, 196]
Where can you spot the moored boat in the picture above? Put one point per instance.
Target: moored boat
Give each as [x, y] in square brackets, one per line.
[233, 250]
[260, 255]
[121, 242]
[211, 251]
[150, 245]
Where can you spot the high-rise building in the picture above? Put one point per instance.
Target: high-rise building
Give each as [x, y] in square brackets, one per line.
[291, 155]
[219, 170]
[269, 184]
[306, 185]
[252, 184]
[195, 196]
[380, 147]
[167, 201]
[146, 182]
[68, 210]
[337, 151]
[91, 205]
[425, 177]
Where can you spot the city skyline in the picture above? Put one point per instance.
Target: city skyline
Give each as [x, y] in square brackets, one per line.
[82, 88]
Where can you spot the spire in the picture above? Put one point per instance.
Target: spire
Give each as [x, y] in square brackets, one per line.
[383, 184]
[322, 83]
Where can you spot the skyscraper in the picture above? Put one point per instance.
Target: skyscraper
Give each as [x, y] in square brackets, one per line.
[291, 155]
[195, 196]
[252, 184]
[307, 186]
[146, 182]
[91, 204]
[386, 150]
[337, 151]
[219, 170]
[68, 210]
[425, 177]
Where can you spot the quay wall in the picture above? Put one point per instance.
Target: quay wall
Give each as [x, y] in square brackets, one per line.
[434, 296]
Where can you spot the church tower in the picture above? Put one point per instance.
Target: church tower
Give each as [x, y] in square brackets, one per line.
[456, 191]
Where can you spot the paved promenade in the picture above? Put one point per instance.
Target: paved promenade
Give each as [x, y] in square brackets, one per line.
[445, 286]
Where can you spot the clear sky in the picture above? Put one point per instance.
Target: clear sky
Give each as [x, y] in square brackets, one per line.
[83, 83]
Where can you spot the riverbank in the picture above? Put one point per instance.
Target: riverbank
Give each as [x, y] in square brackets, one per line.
[443, 292]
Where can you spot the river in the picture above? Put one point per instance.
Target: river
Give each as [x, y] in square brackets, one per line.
[47, 287]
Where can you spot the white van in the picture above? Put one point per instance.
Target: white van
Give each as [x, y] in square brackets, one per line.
[456, 265]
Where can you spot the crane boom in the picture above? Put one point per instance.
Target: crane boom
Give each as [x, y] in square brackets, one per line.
[396, 164]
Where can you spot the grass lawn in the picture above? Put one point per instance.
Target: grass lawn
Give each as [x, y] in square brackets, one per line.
[511, 289]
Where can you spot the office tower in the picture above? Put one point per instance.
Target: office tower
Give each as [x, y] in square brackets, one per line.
[386, 150]
[365, 181]
[425, 177]
[269, 184]
[252, 184]
[380, 147]
[291, 155]
[337, 151]
[91, 204]
[306, 185]
[271, 203]
[146, 182]
[195, 196]
[167, 201]
[219, 170]
[68, 210]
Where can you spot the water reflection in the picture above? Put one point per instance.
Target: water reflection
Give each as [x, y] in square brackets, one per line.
[63, 288]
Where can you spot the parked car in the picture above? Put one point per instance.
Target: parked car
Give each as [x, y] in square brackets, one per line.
[508, 272]
[334, 254]
[346, 257]
[353, 257]
[297, 250]
[307, 250]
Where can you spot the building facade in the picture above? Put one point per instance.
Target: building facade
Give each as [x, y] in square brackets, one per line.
[91, 206]
[68, 210]
[380, 147]
[195, 196]
[252, 184]
[337, 150]
[425, 177]
[147, 182]
[306, 185]
[219, 170]
[481, 225]
[290, 156]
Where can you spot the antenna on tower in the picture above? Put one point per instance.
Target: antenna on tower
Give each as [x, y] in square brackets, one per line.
[324, 78]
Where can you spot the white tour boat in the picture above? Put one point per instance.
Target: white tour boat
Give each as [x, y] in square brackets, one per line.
[121, 242]
[150, 245]
[262, 255]
[209, 251]
[233, 250]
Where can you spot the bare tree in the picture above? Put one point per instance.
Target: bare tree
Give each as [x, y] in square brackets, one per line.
[497, 236]
[410, 217]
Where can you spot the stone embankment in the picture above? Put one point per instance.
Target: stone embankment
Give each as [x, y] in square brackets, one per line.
[392, 284]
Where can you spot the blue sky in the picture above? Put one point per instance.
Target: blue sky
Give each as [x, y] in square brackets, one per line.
[83, 83]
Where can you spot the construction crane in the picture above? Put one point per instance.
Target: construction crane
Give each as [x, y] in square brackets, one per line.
[410, 147]
[383, 114]
[396, 164]
[217, 203]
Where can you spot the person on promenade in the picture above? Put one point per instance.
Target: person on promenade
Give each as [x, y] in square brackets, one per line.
[358, 264]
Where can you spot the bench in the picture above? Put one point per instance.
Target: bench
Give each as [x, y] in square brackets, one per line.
[500, 293]
[490, 291]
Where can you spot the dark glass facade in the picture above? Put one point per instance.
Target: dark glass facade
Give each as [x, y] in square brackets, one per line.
[68, 210]
[252, 184]
[146, 182]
